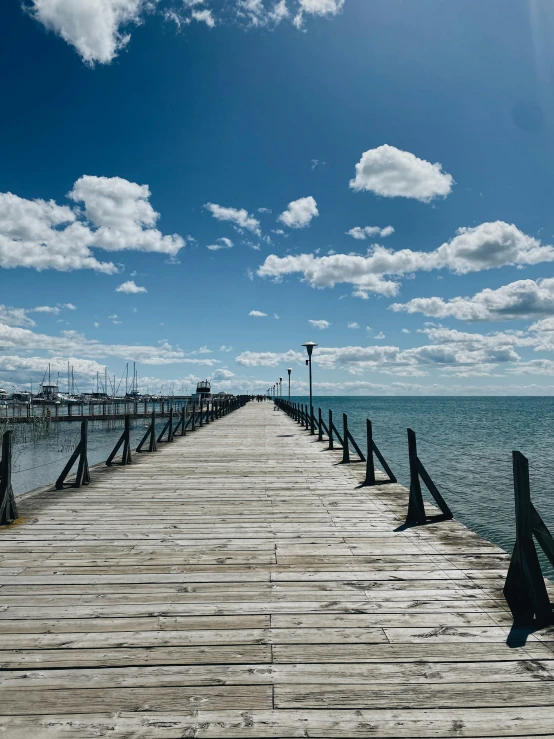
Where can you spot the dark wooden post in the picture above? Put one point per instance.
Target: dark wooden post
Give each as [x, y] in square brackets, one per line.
[416, 507]
[193, 422]
[200, 421]
[320, 425]
[184, 421]
[370, 466]
[170, 427]
[346, 445]
[124, 440]
[8, 507]
[83, 477]
[524, 589]
[331, 444]
[312, 421]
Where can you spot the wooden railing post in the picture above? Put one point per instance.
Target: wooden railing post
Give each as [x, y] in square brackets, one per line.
[124, 440]
[8, 507]
[151, 434]
[370, 466]
[320, 425]
[525, 590]
[416, 508]
[345, 446]
[82, 477]
[331, 441]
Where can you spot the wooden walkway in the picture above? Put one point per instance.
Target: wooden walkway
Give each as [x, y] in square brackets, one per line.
[238, 583]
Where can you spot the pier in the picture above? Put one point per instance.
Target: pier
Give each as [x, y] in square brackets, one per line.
[246, 580]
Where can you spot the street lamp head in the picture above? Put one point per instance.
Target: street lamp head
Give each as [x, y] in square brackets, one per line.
[280, 379]
[289, 370]
[309, 347]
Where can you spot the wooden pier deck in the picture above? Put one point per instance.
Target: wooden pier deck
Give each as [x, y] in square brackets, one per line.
[239, 583]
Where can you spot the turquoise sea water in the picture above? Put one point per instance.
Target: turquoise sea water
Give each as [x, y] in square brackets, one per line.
[465, 445]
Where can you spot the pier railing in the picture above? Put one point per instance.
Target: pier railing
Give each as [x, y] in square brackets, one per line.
[199, 415]
[525, 589]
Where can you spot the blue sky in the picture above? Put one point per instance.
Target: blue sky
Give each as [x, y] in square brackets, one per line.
[123, 121]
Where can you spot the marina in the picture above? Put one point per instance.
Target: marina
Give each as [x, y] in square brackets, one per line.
[243, 581]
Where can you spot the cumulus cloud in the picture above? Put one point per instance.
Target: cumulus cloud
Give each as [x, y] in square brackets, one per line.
[76, 344]
[257, 314]
[268, 359]
[93, 27]
[354, 324]
[222, 243]
[117, 216]
[299, 213]
[320, 323]
[99, 29]
[123, 215]
[239, 217]
[487, 246]
[369, 232]
[130, 288]
[391, 172]
[521, 299]
[222, 374]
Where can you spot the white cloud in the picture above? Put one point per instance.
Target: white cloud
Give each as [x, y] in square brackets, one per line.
[405, 331]
[380, 335]
[321, 324]
[224, 348]
[20, 316]
[92, 27]
[257, 314]
[364, 232]
[222, 374]
[239, 217]
[130, 288]
[268, 359]
[264, 210]
[204, 16]
[99, 29]
[354, 325]
[123, 214]
[76, 344]
[299, 213]
[391, 172]
[45, 235]
[487, 246]
[521, 299]
[222, 243]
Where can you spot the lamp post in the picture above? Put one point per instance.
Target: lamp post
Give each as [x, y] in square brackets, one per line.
[289, 370]
[309, 348]
[280, 387]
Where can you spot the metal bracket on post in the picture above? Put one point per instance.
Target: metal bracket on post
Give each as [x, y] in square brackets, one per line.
[370, 467]
[524, 589]
[150, 434]
[125, 440]
[416, 507]
[8, 507]
[82, 477]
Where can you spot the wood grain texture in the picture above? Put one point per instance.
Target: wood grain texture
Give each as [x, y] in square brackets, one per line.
[240, 583]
